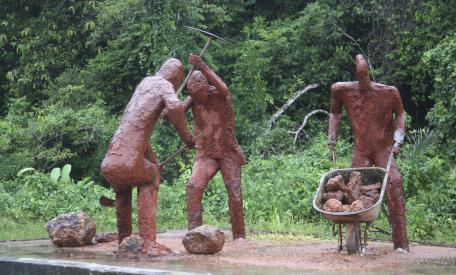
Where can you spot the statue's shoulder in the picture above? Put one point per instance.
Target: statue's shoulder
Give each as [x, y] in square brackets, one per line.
[385, 88]
[154, 84]
[340, 87]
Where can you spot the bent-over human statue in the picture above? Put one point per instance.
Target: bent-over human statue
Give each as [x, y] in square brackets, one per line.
[130, 161]
[378, 121]
[217, 149]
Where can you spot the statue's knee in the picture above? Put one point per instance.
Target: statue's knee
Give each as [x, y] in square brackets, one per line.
[193, 186]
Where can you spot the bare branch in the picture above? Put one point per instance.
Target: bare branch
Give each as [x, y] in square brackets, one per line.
[359, 47]
[304, 122]
[290, 101]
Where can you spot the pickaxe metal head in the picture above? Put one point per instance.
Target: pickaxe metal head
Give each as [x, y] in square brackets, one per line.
[214, 36]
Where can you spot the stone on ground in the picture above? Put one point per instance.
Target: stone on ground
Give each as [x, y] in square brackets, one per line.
[106, 237]
[204, 239]
[71, 229]
[131, 245]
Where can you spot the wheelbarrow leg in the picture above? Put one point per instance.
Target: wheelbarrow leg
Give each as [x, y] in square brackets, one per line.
[352, 237]
[340, 237]
[366, 235]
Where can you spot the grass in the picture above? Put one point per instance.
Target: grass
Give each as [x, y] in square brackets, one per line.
[24, 230]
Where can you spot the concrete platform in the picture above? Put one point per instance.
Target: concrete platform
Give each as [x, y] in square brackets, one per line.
[256, 257]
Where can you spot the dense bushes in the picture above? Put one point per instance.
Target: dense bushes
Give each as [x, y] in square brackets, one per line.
[277, 191]
[68, 68]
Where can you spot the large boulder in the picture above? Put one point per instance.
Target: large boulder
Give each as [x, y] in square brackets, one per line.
[72, 229]
[204, 239]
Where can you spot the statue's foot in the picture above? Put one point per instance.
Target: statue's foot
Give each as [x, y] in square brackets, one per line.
[401, 250]
[154, 249]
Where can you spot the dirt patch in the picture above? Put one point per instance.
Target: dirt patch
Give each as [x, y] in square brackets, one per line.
[297, 255]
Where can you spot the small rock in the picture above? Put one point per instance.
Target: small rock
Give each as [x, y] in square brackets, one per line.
[367, 201]
[339, 195]
[131, 244]
[204, 239]
[357, 205]
[354, 187]
[371, 187]
[106, 237]
[333, 205]
[334, 184]
[72, 229]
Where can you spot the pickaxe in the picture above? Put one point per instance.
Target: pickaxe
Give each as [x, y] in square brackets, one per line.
[209, 40]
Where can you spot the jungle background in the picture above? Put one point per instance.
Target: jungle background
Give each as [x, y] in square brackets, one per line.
[68, 69]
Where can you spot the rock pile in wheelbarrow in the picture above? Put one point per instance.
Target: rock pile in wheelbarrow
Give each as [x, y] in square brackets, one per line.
[350, 197]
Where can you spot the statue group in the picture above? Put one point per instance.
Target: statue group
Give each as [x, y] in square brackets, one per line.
[375, 112]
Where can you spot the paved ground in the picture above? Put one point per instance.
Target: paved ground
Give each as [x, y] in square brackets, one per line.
[265, 256]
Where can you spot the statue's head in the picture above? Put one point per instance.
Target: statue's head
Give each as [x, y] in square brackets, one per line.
[173, 71]
[198, 87]
[362, 72]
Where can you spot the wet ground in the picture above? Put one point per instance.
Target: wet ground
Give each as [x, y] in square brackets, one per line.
[265, 257]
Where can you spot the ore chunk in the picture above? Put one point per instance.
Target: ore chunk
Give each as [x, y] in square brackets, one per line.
[333, 205]
[357, 205]
[334, 184]
[339, 195]
[353, 187]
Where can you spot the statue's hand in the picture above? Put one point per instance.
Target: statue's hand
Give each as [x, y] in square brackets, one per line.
[332, 151]
[195, 60]
[396, 150]
[191, 142]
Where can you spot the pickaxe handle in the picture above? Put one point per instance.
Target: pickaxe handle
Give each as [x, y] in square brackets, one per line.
[178, 152]
[181, 88]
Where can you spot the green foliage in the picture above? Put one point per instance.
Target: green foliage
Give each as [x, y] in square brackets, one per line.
[430, 187]
[68, 68]
[36, 196]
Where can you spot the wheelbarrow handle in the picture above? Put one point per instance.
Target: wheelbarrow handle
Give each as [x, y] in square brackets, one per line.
[332, 152]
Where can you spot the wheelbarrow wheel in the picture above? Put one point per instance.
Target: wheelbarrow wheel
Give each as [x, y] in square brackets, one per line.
[352, 238]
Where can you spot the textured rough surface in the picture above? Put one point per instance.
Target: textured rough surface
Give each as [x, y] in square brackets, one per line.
[335, 184]
[378, 121]
[354, 187]
[204, 239]
[217, 149]
[357, 205]
[333, 205]
[106, 237]
[72, 229]
[130, 161]
[339, 195]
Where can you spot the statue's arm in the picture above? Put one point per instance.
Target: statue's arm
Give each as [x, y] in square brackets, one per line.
[335, 115]
[210, 75]
[174, 113]
[399, 118]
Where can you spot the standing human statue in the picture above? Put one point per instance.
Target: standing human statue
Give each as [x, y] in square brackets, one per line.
[217, 149]
[130, 161]
[378, 121]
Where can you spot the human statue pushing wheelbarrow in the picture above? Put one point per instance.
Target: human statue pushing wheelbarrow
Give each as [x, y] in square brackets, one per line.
[378, 121]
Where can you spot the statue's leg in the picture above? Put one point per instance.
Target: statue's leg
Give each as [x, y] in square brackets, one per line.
[147, 202]
[123, 211]
[231, 174]
[204, 169]
[361, 160]
[396, 207]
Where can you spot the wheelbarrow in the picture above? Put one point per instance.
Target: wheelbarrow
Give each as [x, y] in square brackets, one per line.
[353, 220]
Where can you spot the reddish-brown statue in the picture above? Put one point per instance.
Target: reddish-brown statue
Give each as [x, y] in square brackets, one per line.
[217, 148]
[130, 161]
[378, 122]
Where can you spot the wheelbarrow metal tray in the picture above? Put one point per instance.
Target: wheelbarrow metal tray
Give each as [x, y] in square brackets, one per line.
[369, 175]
